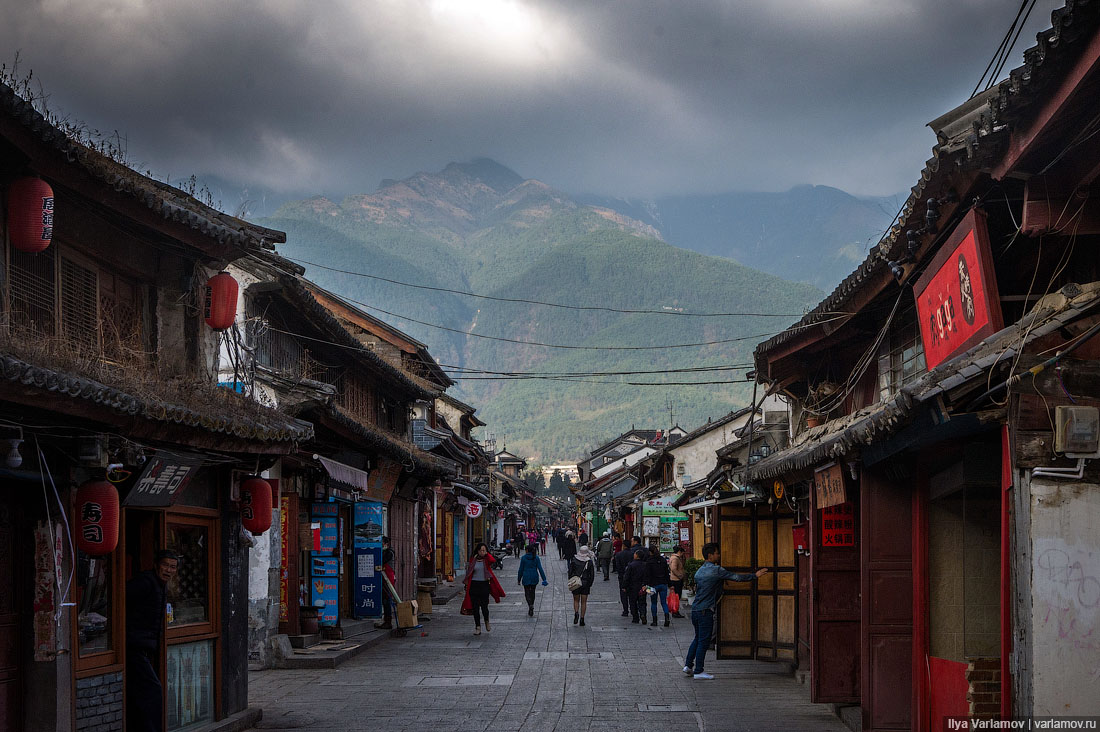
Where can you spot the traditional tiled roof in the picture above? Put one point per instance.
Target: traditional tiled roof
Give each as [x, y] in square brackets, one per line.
[967, 137]
[840, 437]
[299, 295]
[169, 202]
[260, 425]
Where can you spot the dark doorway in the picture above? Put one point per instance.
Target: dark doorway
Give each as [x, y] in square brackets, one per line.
[12, 631]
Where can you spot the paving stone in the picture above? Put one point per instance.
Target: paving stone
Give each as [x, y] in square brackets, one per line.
[540, 673]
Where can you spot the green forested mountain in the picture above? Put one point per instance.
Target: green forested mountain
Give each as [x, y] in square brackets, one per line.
[481, 227]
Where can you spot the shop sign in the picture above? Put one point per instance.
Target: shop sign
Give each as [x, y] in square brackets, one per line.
[473, 509]
[284, 562]
[325, 567]
[45, 591]
[383, 480]
[326, 591]
[162, 479]
[367, 591]
[957, 300]
[829, 485]
[662, 507]
[651, 525]
[838, 525]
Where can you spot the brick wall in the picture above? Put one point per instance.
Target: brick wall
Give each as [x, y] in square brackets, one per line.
[99, 703]
[984, 677]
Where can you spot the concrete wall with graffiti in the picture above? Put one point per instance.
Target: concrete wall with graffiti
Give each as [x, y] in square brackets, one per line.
[1065, 597]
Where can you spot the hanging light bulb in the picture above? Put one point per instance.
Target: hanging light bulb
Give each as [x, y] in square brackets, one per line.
[14, 459]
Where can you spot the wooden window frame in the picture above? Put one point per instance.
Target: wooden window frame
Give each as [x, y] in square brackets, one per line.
[113, 659]
[208, 628]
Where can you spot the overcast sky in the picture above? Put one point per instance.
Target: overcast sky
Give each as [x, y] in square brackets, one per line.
[616, 97]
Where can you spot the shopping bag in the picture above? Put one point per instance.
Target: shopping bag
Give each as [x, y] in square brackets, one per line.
[467, 605]
[673, 602]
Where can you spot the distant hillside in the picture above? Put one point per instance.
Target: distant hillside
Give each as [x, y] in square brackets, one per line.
[813, 234]
[482, 227]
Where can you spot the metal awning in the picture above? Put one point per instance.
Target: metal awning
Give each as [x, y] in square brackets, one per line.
[352, 477]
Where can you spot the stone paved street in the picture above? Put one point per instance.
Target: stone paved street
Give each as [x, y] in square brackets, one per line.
[537, 674]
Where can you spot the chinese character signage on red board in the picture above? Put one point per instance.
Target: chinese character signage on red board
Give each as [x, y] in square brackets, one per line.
[957, 300]
[838, 525]
[829, 484]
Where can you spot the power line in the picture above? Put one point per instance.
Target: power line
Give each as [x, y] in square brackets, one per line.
[465, 293]
[582, 348]
[696, 369]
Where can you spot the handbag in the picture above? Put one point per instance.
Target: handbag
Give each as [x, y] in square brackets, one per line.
[574, 583]
[673, 601]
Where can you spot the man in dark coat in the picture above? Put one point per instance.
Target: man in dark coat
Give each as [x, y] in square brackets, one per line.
[620, 561]
[637, 573]
[568, 546]
[145, 615]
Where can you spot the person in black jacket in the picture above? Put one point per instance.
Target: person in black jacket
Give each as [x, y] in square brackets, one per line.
[620, 561]
[568, 547]
[637, 572]
[659, 581]
[583, 565]
[146, 604]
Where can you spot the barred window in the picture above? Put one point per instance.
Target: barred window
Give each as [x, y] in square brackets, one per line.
[901, 359]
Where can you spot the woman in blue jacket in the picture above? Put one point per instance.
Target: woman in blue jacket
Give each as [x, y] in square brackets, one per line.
[530, 569]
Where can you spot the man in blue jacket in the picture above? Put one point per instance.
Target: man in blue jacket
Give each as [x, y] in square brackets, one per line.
[708, 592]
[530, 568]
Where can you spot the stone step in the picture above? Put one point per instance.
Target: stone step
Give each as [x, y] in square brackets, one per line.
[305, 641]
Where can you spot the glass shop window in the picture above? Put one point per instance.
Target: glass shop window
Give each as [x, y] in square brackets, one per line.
[95, 606]
[189, 684]
[189, 593]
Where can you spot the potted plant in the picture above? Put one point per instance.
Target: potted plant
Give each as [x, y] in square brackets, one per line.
[690, 566]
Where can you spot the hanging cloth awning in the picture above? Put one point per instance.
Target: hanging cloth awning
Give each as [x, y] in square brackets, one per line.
[345, 482]
[471, 490]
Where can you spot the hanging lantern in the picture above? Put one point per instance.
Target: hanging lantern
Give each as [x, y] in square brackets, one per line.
[30, 214]
[256, 505]
[220, 308]
[97, 518]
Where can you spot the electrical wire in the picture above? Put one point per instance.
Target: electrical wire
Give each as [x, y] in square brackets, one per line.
[465, 293]
[1004, 49]
[696, 369]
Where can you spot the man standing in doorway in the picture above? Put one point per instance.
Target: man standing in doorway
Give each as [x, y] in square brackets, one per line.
[708, 591]
[146, 605]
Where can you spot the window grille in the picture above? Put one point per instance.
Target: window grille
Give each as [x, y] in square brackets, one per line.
[33, 284]
[122, 318]
[903, 361]
[79, 305]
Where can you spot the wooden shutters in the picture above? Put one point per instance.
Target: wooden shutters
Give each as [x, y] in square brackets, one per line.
[736, 614]
[834, 614]
[887, 612]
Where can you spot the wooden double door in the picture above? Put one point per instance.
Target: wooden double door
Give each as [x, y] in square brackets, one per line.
[757, 619]
[13, 630]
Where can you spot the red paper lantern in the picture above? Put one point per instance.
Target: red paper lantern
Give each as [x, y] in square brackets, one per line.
[30, 214]
[220, 309]
[97, 518]
[256, 505]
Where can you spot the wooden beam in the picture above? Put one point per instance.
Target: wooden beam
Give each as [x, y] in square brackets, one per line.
[1025, 138]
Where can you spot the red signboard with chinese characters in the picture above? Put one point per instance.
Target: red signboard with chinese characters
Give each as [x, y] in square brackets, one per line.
[838, 525]
[957, 300]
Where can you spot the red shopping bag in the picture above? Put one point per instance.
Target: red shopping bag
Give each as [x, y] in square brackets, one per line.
[673, 601]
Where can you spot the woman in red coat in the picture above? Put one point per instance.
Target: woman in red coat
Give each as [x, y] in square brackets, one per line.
[480, 584]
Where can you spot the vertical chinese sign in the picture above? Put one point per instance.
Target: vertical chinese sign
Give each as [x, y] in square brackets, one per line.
[367, 551]
[325, 563]
[284, 561]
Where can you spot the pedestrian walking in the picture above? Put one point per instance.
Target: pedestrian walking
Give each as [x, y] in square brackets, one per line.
[480, 583]
[677, 570]
[604, 553]
[542, 543]
[558, 537]
[658, 580]
[583, 538]
[708, 590]
[622, 558]
[583, 567]
[530, 569]
[637, 572]
[617, 542]
[569, 546]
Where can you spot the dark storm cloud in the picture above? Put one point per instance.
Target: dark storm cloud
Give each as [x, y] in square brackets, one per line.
[629, 98]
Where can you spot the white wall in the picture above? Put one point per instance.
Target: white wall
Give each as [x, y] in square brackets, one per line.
[1065, 597]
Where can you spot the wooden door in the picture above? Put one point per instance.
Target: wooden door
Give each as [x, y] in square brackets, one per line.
[834, 612]
[403, 542]
[887, 608]
[11, 608]
[736, 616]
[776, 598]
